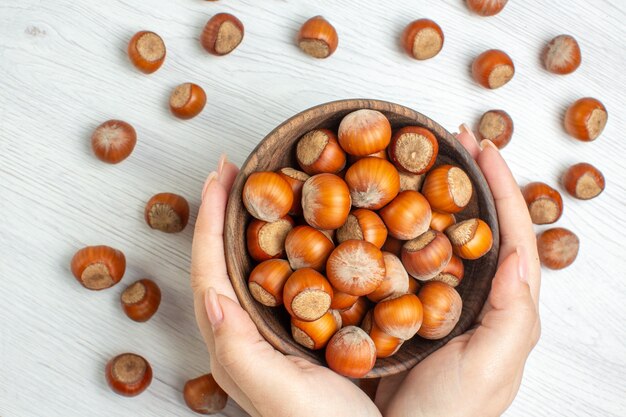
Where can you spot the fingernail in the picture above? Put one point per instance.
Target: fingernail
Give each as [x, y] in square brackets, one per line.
[212, 177]
[455, 134]
[487, 143]
[213, 308]
[465, 128]
[220, 164]
[522, 264]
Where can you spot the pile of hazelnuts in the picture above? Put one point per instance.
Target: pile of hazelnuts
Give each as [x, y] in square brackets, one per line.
[363, 234]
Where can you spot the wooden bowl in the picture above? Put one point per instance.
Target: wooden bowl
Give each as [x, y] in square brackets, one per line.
[277, 150]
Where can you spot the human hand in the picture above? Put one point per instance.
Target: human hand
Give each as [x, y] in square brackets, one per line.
[479, 372]
[263, 381]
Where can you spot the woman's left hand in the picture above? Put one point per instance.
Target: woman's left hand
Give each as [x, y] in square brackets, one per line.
[260, 379]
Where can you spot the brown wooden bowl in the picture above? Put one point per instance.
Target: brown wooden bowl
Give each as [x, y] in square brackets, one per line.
[277, 150]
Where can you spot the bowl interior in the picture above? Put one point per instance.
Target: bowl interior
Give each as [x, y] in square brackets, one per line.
[277, 150]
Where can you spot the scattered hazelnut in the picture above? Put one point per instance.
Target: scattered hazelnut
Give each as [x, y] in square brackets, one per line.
[167, 212]
[562, 55]
[496, 126]
[204, 396]
[222, 34]
[146, 51]
[486, 7]
[318, 38]
[545, 204]
[583, 181]
[585, 119]
[128, 374]
[557, 248]
[187, 101]
[98, 267]
[493, 69]
[141, 300]
[113, 141]
[422, 39]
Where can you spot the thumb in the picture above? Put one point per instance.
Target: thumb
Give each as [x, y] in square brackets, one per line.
[509, 287]
[513, 316]
[234, 333]
[253, 364]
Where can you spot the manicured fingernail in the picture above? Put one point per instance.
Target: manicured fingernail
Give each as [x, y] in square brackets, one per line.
[487, 143]
[522, 264]
[213, 308]
[465, 128]
[220, 164]
[212, 177]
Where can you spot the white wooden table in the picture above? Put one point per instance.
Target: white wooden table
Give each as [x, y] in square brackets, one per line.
[63, 70]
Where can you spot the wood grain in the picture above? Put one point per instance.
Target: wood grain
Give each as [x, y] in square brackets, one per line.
[277, 150]
[64, 71]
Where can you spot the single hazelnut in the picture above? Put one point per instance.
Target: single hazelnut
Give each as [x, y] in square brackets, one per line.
[583, 181]
[128, 374]
[222, 34]
[113, 141]
[496, 126]
[486, 7]
[557, 248]
[545, 204]
[167, 212]
[187, 101]
[146, 51]
[585, 119]
[422, 39]
[493, 68]
[318, 38]
[562, 55]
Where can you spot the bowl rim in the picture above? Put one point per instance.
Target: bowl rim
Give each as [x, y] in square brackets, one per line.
[487, 212]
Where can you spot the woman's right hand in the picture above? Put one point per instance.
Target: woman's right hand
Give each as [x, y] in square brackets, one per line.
[479, 373]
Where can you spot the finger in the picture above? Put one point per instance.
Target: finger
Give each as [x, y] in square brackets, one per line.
[257, 367]
[227, 175]
[208, 268]
[468, 140]
[516, 231]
